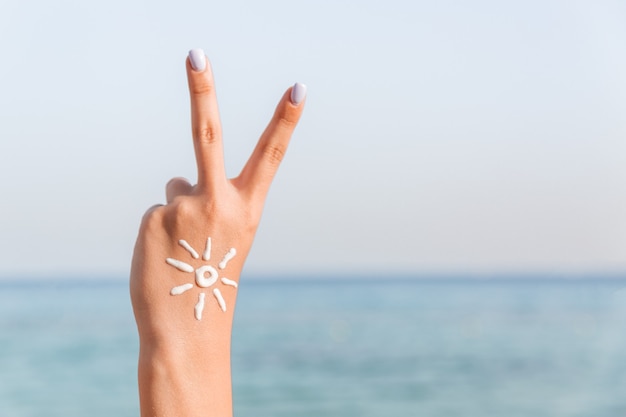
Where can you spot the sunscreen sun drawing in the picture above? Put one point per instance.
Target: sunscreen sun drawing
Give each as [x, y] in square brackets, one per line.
[206, 275]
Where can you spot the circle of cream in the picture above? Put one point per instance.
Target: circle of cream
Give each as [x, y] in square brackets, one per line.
[204, 281]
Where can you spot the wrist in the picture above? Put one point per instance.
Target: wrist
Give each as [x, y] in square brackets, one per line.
[185, 378]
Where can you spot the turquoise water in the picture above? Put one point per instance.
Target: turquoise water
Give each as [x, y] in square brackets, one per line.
[338, 348]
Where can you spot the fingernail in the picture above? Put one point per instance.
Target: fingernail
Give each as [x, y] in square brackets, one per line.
[298, 93]
[197, 59]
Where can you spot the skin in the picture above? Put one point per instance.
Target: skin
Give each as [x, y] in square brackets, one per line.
[184, 363]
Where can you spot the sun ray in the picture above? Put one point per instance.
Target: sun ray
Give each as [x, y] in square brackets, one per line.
[230, 282]
[229, 255]
[181, 289]
[180, 265]
[199, 307]
[207, 252]
[220, 299]
[188, 248]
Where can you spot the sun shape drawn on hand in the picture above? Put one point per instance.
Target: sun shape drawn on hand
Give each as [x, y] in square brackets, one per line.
[206, 275]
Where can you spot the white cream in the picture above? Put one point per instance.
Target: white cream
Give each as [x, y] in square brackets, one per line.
[229, 255]
[181, 289]
[206, 275]
[207, 251]
[204, 281]
[188, 248]
[230, 282]
[179, 265]
[220, 299]
[199, 307]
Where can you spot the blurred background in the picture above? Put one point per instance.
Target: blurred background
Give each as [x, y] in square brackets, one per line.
[445, 237]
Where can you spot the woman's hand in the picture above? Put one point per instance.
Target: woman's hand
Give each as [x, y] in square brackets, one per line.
[189, 255]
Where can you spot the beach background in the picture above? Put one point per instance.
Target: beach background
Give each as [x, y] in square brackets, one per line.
[339, 347]
[446, 235]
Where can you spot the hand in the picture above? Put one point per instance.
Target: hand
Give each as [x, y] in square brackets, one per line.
[189, 255]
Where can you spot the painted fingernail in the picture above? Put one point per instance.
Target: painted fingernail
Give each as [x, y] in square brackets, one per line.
[197, 59]
[298, 93]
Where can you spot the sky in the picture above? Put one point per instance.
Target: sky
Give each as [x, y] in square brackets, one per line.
[450, 137]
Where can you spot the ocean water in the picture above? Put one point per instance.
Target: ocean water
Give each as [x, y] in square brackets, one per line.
[338, 348]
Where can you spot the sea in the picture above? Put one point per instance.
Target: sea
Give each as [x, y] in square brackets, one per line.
[345, 346]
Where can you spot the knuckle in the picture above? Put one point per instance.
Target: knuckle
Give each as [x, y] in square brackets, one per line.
[206, 135]
[187, 208]
[184, 208]
[274, 153]
[201, 88]
[152, 219]
[286, 122]
[180, 213]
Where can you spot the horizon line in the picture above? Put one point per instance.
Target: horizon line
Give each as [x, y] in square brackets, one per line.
[343, 277]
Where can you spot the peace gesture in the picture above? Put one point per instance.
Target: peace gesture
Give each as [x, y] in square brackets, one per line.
[189, 255]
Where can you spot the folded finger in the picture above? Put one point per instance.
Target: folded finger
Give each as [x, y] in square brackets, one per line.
[175, 187]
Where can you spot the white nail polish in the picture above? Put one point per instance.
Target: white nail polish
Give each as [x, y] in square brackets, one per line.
[298, 93]
[197, 59]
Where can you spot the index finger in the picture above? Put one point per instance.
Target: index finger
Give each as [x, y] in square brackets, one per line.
[205, 120]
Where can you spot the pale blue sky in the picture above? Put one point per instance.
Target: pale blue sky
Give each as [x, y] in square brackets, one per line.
[445, 137]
